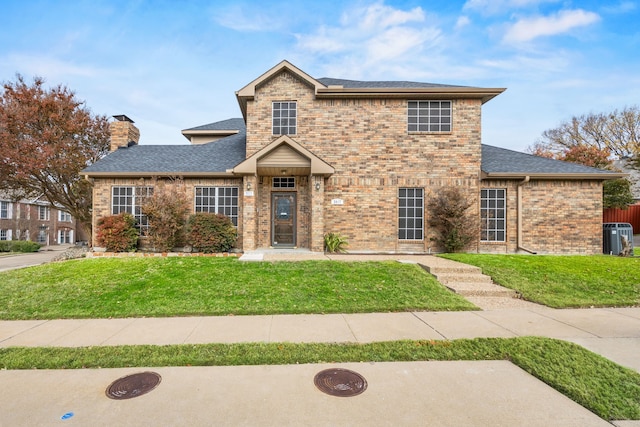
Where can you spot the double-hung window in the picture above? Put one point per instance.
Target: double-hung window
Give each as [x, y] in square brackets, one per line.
[64, 216]
[285, 118]
[429, 116]
[493, 215]
[5, 210]
[43, 213]
[410, 213]
[220, 200]
[130, 200]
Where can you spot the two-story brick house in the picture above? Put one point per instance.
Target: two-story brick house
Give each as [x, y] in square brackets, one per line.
[36, 220]
[312, 156]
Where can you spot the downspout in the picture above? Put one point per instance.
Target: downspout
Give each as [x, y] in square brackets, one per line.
[520, 184]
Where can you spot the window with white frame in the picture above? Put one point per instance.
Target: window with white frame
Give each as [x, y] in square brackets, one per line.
[64, 216]
[43, 213]
[493, 214]
[130, 199]
[429, 116]
[5, 210]
[5, 234]
[65, 236]
[285, 118]
[410, 213]
[221, 200]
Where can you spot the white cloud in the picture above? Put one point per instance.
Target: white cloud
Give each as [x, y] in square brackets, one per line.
[530, 28]
[247, 18]
[462, 22]
[622, 7]
[490, 7]
[50, 68]
[369, 37]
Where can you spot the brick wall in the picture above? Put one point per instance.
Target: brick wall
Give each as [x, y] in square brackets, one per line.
[102, 195]
[367, 143]
[558, 217]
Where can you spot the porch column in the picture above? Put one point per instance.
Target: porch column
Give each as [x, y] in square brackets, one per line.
[317, 213]
[249, 217]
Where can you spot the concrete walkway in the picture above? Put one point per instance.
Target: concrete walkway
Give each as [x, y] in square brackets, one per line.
[495, 393]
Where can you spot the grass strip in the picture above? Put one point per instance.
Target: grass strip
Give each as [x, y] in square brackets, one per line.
[605, 388]
[167, 287]
[564, 281]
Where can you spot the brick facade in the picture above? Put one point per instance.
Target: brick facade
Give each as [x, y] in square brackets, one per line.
[367, 155]
[102, 194]
[367, 142]
[24, 223]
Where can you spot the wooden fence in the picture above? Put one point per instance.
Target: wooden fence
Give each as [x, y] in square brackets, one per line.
[631, 215]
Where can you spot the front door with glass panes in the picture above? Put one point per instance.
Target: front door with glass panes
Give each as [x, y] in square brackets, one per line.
[283, 219]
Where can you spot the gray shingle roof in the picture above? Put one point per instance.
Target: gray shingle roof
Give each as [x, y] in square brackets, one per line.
[213, 157]
[355, 84]
[229, 124]
[502, 161]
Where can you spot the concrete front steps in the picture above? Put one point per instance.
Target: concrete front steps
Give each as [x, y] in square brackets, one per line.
[468, 280]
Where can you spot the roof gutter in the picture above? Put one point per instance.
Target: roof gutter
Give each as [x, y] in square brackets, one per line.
[519, 243]
[567, 176]
[158, 174]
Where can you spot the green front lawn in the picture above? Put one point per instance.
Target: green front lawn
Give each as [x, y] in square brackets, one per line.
[607, 389]
[158, 287]
[564, 281]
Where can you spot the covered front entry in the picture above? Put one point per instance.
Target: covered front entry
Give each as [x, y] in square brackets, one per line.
[283, 201]
[283, 220]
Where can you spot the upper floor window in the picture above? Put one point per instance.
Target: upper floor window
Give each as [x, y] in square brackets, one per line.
[64, 216]
[429, 116]
[493, 215]
[220, 200]
[284, 118]
[130, 200]
[43, 213]
[5, 210]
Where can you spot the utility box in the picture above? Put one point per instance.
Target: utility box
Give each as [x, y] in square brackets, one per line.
[612, 233]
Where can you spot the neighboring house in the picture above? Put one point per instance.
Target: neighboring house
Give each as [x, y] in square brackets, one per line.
[36, 220]
[312, 156]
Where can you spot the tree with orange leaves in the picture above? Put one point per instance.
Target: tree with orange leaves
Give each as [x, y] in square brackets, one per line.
[47, 137]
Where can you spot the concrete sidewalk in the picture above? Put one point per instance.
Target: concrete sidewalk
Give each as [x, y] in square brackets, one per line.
[611, 332]
[493, 393]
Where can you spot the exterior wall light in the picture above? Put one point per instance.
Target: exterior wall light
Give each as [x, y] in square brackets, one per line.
[248, 186]
[317, 186]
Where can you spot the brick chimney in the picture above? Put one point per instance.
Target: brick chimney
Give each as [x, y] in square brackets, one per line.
[123, 132]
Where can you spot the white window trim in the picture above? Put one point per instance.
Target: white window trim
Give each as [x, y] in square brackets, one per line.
[9, 210]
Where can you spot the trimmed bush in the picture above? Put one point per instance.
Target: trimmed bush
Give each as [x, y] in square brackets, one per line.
[19, 246]
[209, 232]
[117, 233]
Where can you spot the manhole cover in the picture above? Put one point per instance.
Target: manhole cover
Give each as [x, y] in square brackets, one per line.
[340, 382]
[133, 385]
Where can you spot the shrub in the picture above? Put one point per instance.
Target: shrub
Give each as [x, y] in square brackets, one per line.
[166, 210]
[19, 246]
[209, 232]
[449, 216]
[117, 233]
[334, 242]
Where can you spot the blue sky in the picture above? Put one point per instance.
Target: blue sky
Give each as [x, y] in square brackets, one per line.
[172, 65]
